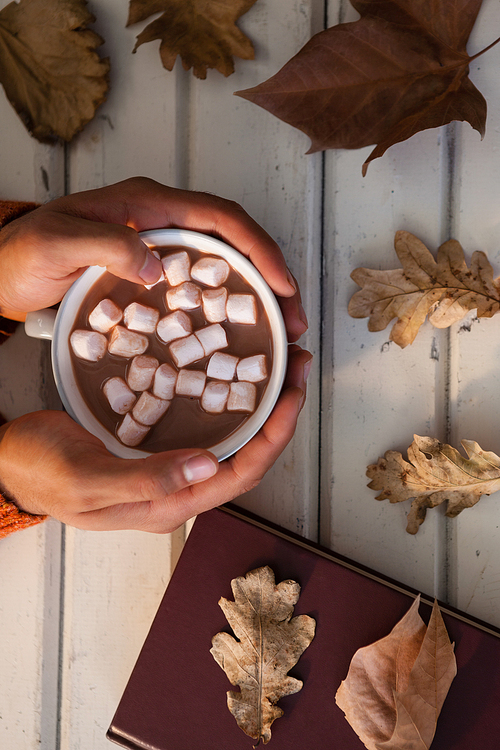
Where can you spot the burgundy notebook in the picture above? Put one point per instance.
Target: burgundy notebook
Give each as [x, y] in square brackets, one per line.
[176, 696]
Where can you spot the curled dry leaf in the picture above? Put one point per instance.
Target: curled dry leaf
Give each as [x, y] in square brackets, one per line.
[270, 641]
[401, 68]
[202, 32]
[443, 290]
[436, 473]
[49, 67]
[396, 687]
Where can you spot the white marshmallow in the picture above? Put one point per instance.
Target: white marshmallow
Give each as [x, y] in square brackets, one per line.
[190, 383]
[186, 351]
[120, 397]
[242, 397]
[89, 345]
[214, 397]
[105, 315]
[125, 343]
[186, 296]
[252, 369]
[149, 409]
[162, 277]
[174, 326]
[212, 338]
[242, 308]
[222, 366]
[164, 382]
[141, 372]
[131, 432]
[210, 271]
[176, 267]
[214, 304]
[138, 317]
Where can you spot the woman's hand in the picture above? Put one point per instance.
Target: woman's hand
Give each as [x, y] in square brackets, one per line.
[45, 251]
[50, 465]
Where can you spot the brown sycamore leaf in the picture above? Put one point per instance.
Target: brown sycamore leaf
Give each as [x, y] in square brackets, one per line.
[401, 68]
[270, 642]
[443, 290]
[202, 32]
[396, 687]
[436, 473]
[49, 67]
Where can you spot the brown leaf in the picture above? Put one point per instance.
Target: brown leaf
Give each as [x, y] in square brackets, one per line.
[396, 687]
[269, 643]
[401, 68]
[49, 67]
[202, 32]
[436, 473]
[442, 290]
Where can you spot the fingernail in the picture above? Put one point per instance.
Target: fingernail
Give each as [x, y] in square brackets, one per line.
[151, 270]
[307, 368]
[291, 280]
[302, 315]
[198, 468]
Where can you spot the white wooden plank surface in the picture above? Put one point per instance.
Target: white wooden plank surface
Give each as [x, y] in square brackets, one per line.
[30, 561]
[475, 397]
[75, 606]
[241, 152]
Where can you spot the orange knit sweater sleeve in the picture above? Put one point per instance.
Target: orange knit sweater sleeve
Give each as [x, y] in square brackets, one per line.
[11, 518]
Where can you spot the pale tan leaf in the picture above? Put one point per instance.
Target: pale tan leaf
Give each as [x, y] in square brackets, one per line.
[269, 641]
[49, 67]
[202, 32]
[366, 696]
[443, 290]
[435, 473]
[419, 706]
[396, 687]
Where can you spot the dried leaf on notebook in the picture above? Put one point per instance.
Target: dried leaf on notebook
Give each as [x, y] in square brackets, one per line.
[49, 66]
[202, 32]
[395, 688]
[443, 290]
[401, 68]
[268, 643]
[435, 473]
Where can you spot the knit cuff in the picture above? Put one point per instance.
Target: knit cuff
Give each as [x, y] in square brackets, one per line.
[12, 519]
[10, 210]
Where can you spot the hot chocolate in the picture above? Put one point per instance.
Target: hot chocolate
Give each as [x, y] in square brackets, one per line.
[180, 364]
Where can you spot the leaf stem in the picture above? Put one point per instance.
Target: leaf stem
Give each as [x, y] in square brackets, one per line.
[478, 54]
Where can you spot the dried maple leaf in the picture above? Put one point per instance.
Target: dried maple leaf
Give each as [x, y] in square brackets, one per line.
[436, 473]
[443, 290]
[270, 643]
[396, 687]
[202, 32]
[49, 67]
[401, 68]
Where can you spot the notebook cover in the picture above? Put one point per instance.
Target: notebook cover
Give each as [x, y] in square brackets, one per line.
[176, 696]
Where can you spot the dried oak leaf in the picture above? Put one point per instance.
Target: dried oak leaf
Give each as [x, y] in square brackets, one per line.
[436, 473]
[396, 687]
[202, 32]
[442, 290]
[270, 642]
[401, 68]
[49, 67]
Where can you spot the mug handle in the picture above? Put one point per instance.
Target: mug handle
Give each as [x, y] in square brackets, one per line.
[40, 324]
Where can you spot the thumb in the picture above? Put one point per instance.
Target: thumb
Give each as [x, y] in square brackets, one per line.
[116, 247]
[144, 493]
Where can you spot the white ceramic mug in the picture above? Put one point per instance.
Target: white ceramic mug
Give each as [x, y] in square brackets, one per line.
[58, 326]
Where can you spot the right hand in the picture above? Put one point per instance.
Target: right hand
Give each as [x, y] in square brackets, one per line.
[49, 465]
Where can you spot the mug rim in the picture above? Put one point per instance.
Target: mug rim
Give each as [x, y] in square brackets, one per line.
[62, 366]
